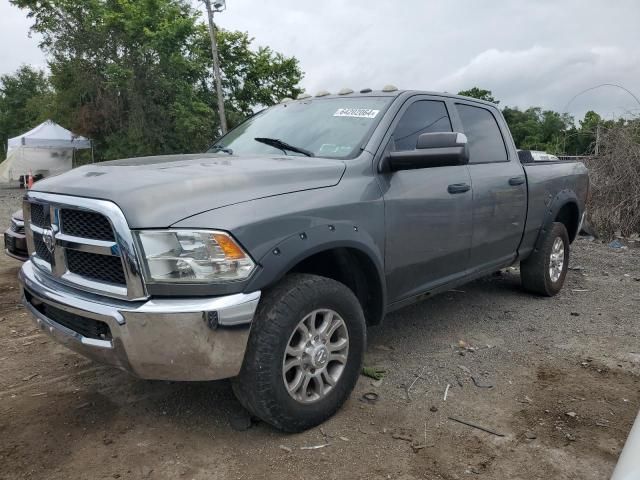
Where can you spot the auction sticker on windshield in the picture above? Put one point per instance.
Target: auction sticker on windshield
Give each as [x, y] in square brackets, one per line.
[356, 112]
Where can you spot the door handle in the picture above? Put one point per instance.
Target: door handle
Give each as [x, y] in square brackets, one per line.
[458, 188]
[517, 180]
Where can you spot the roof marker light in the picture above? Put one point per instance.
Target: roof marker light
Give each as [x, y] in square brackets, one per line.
[302, 96]
[286, 100]
[366, 90]
[322, 93]
[389, 88]
[345, 91]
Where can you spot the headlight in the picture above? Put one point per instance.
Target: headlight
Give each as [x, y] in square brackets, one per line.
[204, 256]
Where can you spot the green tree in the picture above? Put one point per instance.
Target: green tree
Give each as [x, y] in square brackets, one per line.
[25, 101]
[537, 129]
[136, 76]
[480, 94]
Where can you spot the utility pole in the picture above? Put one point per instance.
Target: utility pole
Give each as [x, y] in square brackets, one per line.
[219, 6]
[597, 139]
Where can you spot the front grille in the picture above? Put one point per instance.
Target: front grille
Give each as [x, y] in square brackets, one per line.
[91, 241]
[41, 249]
[17, 228]
[85, 224]
[38, 216]
[87, 327]
[103, 268]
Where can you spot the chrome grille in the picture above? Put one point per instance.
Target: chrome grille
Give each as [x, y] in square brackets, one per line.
[83, 242]
[86, 225]
[41, 249]
[103, 268]
[38, 217]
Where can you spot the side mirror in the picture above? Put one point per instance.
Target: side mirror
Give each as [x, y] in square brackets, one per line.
[439, 149]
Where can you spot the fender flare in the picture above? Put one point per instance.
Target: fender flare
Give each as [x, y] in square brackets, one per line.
[553, 207]
[299, 246]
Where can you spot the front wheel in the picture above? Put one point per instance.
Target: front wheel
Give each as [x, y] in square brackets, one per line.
[544, 271]
[304, 354]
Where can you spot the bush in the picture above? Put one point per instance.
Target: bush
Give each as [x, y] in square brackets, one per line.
[614, 206]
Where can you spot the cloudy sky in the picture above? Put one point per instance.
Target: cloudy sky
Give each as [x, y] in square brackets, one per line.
[528, 52]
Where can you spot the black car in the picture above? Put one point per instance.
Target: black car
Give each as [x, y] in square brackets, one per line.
[15, 243]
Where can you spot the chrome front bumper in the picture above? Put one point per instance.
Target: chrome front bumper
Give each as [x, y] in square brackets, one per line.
[160, 339]
[15, 245]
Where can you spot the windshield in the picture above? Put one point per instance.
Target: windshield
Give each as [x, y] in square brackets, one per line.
[326, 127]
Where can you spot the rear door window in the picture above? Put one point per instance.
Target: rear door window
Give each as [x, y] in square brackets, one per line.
[423, 116]
[485, 139]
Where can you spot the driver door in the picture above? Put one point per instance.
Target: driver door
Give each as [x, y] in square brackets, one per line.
[428, 223]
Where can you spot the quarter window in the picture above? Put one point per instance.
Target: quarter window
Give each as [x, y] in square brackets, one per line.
[423, 116]
[485, 140]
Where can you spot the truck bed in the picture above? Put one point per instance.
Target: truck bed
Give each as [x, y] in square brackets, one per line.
[546, 182]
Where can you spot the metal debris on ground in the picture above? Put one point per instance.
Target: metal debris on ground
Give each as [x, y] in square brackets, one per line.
[473, 425]
[374, 372]
[400, 436]
[616, 244]
[286, 449]
[369, 397]
[425, 432]
[315, 447]
[480, 383]
[446, 392]
[466, 346]
[571, 414]
[529, 435]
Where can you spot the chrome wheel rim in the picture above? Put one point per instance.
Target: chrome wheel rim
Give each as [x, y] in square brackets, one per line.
[316, 356]
[556, 259]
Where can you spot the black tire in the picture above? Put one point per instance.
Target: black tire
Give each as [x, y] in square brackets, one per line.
[260, 387]
[534, 271]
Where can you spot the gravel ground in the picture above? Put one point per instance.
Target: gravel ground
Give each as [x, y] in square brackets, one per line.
[563, 376]
[10, 201]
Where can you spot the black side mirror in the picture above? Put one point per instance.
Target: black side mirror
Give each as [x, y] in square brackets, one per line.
[439, 149]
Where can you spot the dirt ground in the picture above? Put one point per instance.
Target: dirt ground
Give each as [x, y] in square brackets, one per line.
[564, 375]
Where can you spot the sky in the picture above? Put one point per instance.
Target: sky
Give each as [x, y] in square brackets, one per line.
[527, 52]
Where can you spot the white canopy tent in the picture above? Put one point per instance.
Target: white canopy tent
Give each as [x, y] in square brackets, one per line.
[48, 149]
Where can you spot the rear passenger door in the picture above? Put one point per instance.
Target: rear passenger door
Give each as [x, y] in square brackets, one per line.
[499, 186]
[427, 223]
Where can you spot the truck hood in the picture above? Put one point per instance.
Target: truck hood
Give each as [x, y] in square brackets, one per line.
[156, 192]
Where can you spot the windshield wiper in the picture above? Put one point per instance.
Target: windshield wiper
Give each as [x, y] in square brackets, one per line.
[277, 143]
[222, 148]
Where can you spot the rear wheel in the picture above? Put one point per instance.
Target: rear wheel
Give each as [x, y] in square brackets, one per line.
[304, 354]
[544, 271]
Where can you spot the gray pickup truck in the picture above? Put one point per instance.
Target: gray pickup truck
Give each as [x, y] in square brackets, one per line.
[266, 259]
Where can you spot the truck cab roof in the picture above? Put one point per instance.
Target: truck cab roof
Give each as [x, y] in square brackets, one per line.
[366, 92]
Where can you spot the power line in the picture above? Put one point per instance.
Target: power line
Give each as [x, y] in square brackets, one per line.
[599, 86]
